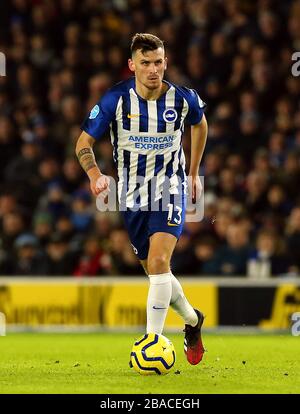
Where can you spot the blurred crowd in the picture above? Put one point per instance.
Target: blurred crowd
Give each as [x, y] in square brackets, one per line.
[63, 55]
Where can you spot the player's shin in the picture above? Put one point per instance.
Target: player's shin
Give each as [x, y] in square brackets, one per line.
[159, 296]
[181, 305]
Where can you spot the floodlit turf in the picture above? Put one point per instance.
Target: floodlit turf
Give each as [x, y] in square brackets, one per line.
[98, 363]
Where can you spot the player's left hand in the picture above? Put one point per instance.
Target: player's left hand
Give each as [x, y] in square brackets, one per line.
[196, 188]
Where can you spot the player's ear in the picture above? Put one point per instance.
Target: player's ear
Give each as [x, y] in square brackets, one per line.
[166, 62]
[131, 65]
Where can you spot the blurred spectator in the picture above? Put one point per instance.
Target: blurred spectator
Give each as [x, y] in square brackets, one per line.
[8, 203]
[276, 149]
[55, 201]
[289, 175]
[211, 170]
[268, 259]
[293, 236]
[277, 202]
[22, 172]
[9, 143]
[49, 171]
[228, 185]
[60, 260]
[256, 198]
[205, 249]
[82, 211]
[94, 260]
[261, 161]
[105, 222]
[183, 261]
[28, 259]
[221, 223]
[42, 227]
[25, 167]
[12, 226]
[72, 175]
[64, 226]
[231, 258]
[124, 261]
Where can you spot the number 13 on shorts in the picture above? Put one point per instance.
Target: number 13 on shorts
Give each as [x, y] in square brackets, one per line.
[174, 215]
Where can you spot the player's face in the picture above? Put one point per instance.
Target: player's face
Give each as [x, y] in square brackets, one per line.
[149, 67]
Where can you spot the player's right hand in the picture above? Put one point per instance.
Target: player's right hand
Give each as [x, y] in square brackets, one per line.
[100, 185]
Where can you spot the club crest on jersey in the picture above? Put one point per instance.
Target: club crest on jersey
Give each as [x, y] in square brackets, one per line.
[94, 112]
[170, 115]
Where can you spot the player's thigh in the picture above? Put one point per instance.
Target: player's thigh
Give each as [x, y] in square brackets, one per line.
[161, 246]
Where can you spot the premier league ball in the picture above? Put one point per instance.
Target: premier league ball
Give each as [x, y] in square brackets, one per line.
[153, 354]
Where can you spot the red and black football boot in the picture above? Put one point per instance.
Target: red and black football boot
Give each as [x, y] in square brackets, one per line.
[193, 347]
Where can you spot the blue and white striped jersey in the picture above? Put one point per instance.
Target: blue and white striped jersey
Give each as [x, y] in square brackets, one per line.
[146, 136]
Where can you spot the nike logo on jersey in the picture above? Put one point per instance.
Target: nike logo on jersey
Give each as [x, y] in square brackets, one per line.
[133, 115]
[154, 307]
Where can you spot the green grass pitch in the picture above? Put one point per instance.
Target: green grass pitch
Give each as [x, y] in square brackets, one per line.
[98, 363]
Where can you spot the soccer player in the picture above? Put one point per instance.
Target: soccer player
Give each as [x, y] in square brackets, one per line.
[146, 115]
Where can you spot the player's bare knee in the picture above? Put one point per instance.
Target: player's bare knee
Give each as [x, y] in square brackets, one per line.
[158, 264]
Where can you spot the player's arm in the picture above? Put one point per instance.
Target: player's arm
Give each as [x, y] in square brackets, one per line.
[86, 158]
[198, 141]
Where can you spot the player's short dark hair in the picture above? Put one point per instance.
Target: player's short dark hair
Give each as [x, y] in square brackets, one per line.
[145, 42]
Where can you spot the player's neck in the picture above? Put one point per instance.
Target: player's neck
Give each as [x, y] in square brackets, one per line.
[150, 94]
